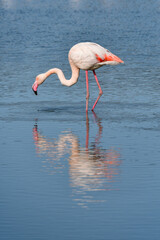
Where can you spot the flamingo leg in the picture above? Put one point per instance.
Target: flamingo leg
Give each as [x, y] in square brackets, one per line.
[87, 87]
[100, 90]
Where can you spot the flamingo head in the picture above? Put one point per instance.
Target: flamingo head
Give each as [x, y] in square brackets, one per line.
[39, 80]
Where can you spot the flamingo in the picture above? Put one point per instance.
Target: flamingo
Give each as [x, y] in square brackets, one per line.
[85, 56]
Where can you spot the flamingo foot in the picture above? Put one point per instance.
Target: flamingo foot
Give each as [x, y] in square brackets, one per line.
[95, 103]
[100, 90]
[34, 88]
[100, 94]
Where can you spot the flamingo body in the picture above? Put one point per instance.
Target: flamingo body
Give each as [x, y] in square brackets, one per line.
[90, 56]
[85, 56]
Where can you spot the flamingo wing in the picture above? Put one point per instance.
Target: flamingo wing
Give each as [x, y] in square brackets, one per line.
[87, 56]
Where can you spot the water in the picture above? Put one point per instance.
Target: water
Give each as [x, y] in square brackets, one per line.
[65, 175]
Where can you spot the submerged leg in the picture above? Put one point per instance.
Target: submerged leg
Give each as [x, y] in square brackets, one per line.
[87, 87]
[100, 90]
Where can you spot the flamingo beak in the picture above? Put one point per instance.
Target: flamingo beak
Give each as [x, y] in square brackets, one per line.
[35, 92]
[34, 87]
[113, 57]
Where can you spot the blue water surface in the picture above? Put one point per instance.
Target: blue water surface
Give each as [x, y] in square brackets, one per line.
[65, 174]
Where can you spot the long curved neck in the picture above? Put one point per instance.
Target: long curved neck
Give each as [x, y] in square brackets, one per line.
[74, 78]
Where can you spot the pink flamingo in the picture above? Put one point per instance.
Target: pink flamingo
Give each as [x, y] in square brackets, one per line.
[85, 56]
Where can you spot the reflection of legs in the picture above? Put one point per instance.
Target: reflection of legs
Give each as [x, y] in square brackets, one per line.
[87, 130]
[98, 121]
[98, 136]
[87, 96]
[100, 90]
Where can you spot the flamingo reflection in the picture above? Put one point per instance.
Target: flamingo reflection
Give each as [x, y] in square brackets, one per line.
[91, 168]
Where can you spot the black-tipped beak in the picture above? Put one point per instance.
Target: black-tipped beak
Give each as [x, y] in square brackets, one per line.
[35, 92]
